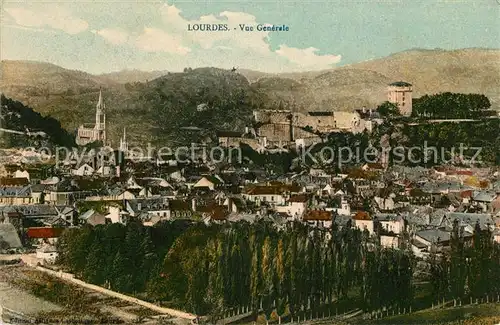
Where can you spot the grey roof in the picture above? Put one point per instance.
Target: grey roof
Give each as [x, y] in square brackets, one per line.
[235, 217]
[38, 187]
[440, 187]
[484, 196]
[417, 218]
[437, 217]
[150, 204]
[116, 190]
[387, 217]
[434, 235]
[484, 219]
[15, 191]
[8, 234]
[400, 84]
[87, 214]
[31, 210]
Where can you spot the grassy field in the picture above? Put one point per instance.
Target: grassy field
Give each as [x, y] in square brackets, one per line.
[74, 304]
[487, 314]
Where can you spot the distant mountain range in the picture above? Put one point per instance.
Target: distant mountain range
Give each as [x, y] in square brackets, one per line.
[70, 95]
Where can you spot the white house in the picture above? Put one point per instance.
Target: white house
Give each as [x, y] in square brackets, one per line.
[83, 170]
[362, 221]
[22, 174]
[48, 254]
[345, 208]
[385, 203]
[391, 222]
[295, 207]
[212, 182]
[273, 195]
[496, 236]
[389, 241]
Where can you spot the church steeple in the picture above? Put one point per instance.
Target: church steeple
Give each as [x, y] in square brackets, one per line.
[123, 142]
[100, 120]
[100, 102]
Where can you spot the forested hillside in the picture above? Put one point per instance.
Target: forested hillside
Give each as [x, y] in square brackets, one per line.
[39, 130]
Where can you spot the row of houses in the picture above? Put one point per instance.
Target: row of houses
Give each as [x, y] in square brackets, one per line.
[391, 205]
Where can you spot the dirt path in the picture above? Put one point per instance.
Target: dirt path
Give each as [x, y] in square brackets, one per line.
[23, 302]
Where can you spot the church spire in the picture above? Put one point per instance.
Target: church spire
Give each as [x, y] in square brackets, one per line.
[123, 142]
[100, 103]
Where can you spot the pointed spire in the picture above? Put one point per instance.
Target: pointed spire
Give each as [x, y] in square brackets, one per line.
[124, 134]
[100, 103]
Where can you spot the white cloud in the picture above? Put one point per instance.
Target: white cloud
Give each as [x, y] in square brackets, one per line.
[114, 36]
[257, 41]
[55, 17]
[156, 40]
[250, 49]
[162, 29]
[307, 57]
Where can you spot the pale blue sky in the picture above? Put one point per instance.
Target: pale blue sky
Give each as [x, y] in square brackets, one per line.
[152, 35]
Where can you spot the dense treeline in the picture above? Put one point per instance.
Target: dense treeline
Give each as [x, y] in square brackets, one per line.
[451, 106]
[471, 269]
[18, 117]
[209, 269]
[125, 258]
[293, 271]
[449, 137]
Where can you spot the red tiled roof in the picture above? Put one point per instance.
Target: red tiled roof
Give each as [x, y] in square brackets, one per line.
[317, 215]
[44, 232]
[466, 194]
[219, 213]
[460, 172]
[362, 215]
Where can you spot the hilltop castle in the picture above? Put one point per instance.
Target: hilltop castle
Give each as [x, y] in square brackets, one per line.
[283, 127]
[97, 132]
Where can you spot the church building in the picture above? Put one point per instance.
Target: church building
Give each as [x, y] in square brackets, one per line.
[97, 132]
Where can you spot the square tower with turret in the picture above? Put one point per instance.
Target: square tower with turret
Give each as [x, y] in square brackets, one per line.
[400, 94]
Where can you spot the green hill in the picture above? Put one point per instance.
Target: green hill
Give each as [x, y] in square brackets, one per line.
[43, 130]
[155, 111]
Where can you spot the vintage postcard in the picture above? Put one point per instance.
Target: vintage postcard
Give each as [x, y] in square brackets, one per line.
[250, 162]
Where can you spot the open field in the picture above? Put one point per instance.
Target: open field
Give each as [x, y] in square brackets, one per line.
[42, 296]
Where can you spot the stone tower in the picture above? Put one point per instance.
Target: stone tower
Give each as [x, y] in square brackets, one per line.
[400, 93]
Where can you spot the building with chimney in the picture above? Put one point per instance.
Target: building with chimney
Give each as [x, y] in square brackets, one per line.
[97, 132]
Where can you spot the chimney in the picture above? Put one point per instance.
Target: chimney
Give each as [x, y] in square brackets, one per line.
[364, 109]
[371, 111]
[247, 130]
[193, 204]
